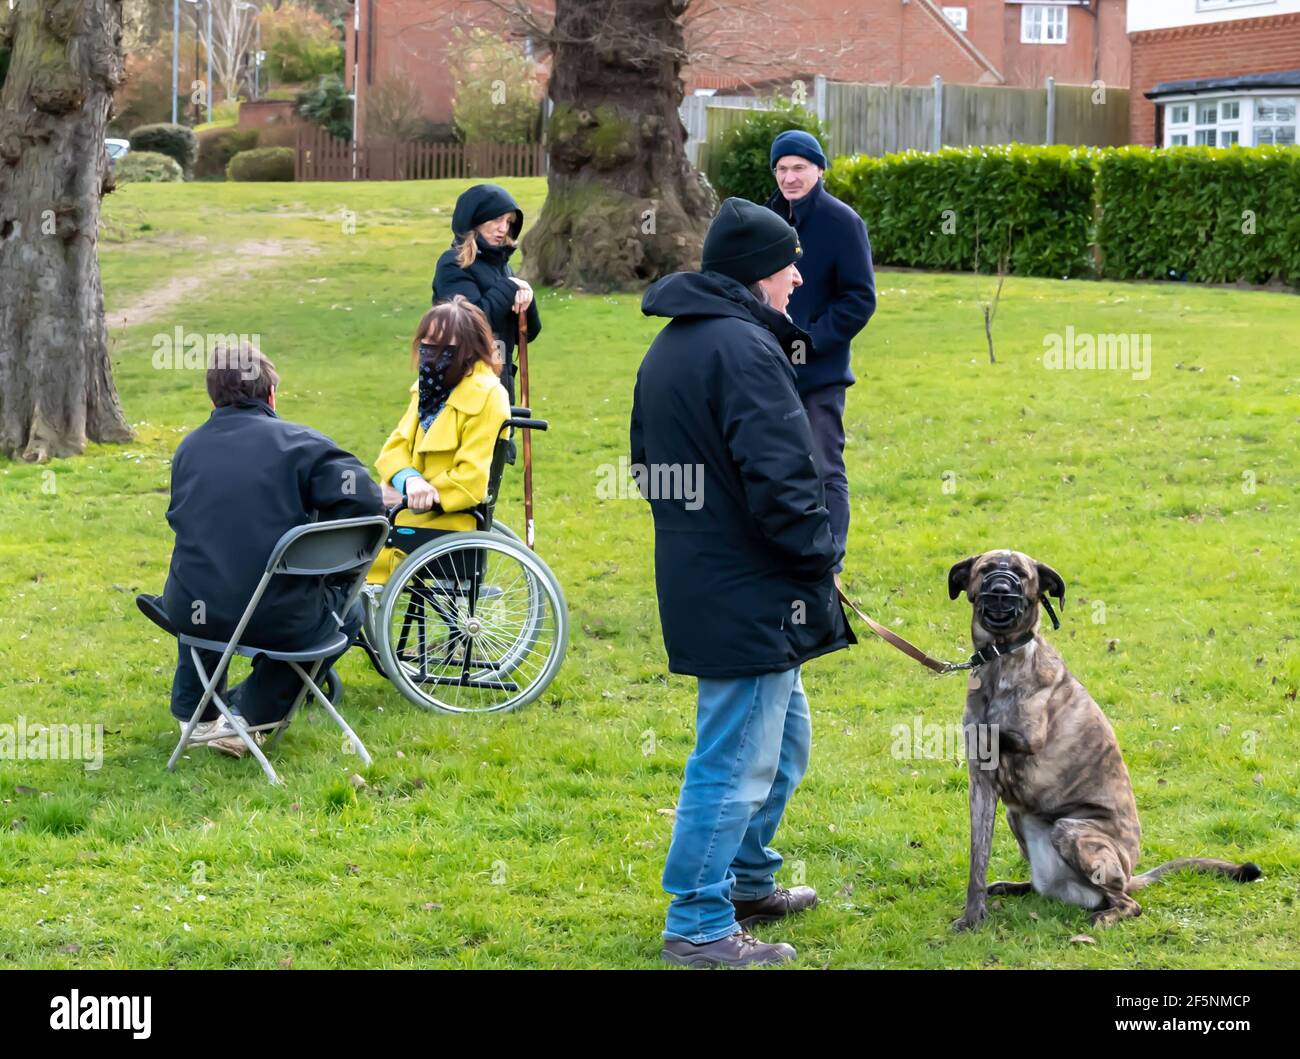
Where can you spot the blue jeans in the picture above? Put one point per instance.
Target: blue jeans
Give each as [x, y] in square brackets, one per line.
[753, 737]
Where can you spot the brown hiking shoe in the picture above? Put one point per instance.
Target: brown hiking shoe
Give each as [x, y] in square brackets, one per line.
[736, 950]
[776, 905]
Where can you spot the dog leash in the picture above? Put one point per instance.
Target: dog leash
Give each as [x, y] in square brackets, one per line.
[985, 654]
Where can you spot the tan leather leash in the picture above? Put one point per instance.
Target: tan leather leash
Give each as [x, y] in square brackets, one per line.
[911, 650]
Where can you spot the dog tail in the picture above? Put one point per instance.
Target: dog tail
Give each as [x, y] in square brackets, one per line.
[1247, 872]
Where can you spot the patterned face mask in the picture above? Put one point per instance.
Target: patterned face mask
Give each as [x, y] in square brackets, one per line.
[435, 387]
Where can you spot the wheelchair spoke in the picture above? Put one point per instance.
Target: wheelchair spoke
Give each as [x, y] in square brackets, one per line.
[476, 627]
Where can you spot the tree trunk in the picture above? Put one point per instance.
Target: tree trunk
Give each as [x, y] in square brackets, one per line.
[623, 204]
[56, 384]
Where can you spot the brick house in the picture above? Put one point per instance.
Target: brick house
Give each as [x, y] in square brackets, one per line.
[407, 41]
[993, 42]
[1214, 72]
[996, 42]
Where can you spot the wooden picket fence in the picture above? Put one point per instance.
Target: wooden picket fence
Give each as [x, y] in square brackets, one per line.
[322, 156]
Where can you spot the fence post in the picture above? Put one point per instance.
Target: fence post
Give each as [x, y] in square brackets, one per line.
[936, 141]
[1051, 111]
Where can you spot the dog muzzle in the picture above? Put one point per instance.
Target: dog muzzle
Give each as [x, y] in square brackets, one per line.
[1001, 599]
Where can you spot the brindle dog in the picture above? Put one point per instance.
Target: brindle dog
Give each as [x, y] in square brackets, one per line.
[1059, 770]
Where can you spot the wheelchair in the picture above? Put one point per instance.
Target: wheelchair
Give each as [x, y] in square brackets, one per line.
[470, 621]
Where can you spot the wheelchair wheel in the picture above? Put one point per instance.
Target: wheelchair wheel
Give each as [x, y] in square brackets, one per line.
[505, 531]
[472, 623]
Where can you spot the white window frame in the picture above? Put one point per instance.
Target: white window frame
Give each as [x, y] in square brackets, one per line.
[957, 18]
[1042, 10]
[1178, 133]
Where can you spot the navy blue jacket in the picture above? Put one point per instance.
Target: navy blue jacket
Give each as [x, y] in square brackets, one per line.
[838, 294]
[238, 483]
[743, 548]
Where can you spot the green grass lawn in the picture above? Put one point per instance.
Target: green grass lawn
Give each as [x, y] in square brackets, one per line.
[537, 839]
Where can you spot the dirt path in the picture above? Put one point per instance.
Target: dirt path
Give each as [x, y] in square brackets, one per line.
[239, 262]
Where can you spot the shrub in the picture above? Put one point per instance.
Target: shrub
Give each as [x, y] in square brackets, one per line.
[145, 95]
[175, 141]
[300, 44]
[498, 88]
[968, 207]
[328, 104]
[146, 167]
[394, 110]
[262, 163]
[217, 147]
[744, 169]
[1200, 213]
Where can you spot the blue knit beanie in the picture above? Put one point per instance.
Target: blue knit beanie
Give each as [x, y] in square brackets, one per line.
[796, 141]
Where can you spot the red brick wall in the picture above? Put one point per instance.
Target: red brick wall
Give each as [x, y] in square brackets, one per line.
[1096, 47]
[1218, 49]
[884, 41]
[888, 41]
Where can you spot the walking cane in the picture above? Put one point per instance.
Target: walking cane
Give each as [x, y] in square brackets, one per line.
[528, 434]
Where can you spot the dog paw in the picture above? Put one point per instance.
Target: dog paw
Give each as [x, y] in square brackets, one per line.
[969, 921]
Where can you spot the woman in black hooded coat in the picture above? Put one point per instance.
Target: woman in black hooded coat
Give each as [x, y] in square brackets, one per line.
[485, 226]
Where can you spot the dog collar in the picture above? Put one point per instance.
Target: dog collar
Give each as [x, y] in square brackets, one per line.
[991, 650]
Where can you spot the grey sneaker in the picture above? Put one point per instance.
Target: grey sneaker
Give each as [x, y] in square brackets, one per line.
[202, 731]
[736, 950]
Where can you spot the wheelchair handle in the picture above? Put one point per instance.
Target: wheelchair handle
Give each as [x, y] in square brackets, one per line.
[402, 505]
[527, 424]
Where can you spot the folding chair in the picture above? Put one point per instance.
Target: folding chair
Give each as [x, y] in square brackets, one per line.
[318, 549]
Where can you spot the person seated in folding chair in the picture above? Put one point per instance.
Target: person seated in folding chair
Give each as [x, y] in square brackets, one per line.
[440, 456]
[239, 482]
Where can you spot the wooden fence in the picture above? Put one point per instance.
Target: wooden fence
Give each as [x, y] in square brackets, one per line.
[883, 119]
[321, 156]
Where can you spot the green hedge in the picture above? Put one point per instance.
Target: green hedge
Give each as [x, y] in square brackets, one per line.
[262, 163]
[217, 147]
[146, 167]
[1188, 213]
[1124, 212]
[175, 141]
[942, 211]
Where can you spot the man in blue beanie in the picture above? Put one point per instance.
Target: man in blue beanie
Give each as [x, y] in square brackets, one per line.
[834, 303]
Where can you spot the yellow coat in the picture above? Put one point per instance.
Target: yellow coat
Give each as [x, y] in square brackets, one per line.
[454, 456]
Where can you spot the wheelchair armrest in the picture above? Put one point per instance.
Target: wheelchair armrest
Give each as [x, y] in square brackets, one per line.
[527, 424]
[520, 411]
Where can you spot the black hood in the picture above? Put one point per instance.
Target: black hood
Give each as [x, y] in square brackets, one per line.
[481, 203]
[704, 294]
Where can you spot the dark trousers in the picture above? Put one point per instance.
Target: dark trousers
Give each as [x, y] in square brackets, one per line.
[825, 409]
[508, 372]
[268, 693]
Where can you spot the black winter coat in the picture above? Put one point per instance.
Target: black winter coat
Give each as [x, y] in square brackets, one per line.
[239, 482]
[743, 559]
[486, 282]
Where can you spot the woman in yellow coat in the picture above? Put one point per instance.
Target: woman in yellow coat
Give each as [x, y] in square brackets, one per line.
[440, 455]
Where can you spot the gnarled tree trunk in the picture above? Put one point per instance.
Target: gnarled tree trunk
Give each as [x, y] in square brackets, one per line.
[56, 385]
[623, 204]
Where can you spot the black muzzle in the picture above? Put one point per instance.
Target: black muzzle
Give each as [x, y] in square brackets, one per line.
[1001, 599]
